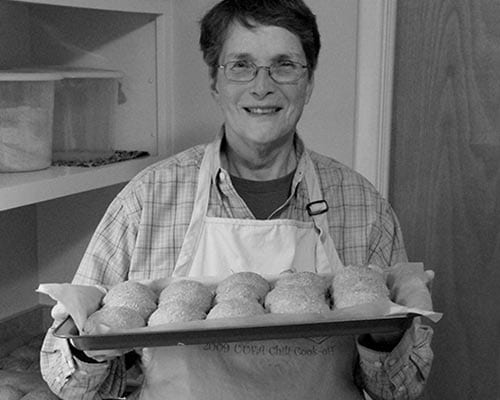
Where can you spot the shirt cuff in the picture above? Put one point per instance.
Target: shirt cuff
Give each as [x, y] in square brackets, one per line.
[58, 365]
[406, 367]
[415, 336]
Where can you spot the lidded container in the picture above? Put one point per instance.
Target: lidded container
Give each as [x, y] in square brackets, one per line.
[26, 119]
[85, 110]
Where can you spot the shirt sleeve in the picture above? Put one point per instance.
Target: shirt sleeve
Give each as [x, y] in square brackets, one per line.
[107, 258]
[386, 244]
[72, 379]
[400, 374]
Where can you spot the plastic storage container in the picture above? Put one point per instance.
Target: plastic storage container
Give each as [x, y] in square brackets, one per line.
[26, 119]
[85, 110]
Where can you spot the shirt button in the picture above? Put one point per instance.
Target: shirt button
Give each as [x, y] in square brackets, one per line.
[377, 364]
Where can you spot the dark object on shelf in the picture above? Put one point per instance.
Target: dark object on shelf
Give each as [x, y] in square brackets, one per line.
[89, 159]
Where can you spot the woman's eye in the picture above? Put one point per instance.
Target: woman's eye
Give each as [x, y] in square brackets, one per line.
[240, 65]
[286, 64]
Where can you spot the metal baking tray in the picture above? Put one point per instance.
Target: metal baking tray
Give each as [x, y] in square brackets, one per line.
[266, 327]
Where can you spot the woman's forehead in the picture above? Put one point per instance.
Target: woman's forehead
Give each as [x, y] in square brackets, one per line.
[262, 41]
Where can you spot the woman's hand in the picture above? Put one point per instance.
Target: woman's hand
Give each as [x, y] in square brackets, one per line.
[411, 288]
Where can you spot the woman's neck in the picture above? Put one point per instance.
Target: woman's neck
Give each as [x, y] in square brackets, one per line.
[260, 163]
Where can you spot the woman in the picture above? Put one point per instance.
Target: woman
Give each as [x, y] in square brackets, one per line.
[254, 199]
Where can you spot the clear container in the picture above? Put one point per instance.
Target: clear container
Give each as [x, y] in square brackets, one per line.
[26, 119]
[85, 110]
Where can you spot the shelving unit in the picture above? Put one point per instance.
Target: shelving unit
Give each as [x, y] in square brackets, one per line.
[126, 35]
[24, 188]
[140, 6]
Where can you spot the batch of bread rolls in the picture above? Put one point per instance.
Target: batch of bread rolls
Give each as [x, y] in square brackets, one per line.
[243, 294]
[132, 305]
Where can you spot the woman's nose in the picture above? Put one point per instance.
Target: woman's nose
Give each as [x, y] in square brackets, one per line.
[262, 84]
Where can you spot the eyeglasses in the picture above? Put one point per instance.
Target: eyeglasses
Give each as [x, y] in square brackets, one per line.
[280, 72]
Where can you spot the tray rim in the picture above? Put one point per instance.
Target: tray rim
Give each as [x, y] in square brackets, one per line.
[160, 338]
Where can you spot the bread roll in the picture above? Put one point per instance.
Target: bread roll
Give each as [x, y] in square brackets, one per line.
[190, 291]
[308, 279]
[236, 307]
[175, 311]
[113, 318]
[238, 290]
[261, 285]
[295, 299]
[355, 285]
[133, 295]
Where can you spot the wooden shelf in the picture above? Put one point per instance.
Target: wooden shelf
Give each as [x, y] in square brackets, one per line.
[24, 188]
[140, 6]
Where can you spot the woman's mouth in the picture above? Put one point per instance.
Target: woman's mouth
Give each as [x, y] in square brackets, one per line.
[262, 110]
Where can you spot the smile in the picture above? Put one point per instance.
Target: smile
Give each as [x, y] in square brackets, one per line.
[262, 110]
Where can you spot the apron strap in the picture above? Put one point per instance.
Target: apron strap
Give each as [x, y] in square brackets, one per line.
[320, 220]
[200, 207]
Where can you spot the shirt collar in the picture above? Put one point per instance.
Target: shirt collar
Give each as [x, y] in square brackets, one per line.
[300, 150]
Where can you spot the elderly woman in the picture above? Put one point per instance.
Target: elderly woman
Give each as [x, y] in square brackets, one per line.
[256, 200]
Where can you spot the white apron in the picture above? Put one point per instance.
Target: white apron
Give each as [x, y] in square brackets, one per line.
[294, 369]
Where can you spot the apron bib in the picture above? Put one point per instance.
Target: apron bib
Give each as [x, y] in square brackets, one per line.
[312, 368]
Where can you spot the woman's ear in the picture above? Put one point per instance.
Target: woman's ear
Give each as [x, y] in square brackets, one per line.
[213, 89]
[310, 87]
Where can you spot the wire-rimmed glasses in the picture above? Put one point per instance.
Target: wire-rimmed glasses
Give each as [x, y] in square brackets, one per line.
[280, 72]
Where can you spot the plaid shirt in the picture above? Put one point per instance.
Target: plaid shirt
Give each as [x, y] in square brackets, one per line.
[141, 234]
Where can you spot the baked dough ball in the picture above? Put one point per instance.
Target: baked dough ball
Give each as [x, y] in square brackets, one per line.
[24, 381]
[193, 292]
[133, 295]
[261, 285]
[175, 311]
[309, 279]
[114, 317]
[26, 352]
[238, 291]
[40, 394]
[295, 300]
[13, 363]
[9, 392]
[355, 285]
[236, 308]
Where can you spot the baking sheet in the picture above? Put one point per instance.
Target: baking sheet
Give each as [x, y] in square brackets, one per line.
[266, 327]
[80, 301]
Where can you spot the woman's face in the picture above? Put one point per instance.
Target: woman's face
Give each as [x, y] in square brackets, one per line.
[261, 112]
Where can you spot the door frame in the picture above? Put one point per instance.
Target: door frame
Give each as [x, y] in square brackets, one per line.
[374, 83]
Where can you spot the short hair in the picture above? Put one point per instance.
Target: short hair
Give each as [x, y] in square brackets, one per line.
[292, 15]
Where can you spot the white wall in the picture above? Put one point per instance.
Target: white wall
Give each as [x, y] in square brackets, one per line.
[328, 121]
[18, 260]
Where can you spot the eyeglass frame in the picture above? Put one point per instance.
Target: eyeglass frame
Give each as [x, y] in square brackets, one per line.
[268, 68]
